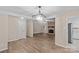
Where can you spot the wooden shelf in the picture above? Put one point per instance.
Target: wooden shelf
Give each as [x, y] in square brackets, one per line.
[51, 33]
[51, 26]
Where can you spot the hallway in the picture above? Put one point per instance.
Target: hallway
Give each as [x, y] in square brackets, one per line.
[41, 43]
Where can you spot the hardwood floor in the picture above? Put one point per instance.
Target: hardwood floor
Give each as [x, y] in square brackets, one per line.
[40, 43]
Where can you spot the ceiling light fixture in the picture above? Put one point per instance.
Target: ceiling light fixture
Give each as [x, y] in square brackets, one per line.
[39, 16]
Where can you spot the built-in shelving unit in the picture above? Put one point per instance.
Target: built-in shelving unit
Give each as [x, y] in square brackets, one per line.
[51, 27]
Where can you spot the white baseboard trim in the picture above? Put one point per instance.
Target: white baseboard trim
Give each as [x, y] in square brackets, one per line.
[62, 45]
[3, 49]
[15, 39]
[37, 32]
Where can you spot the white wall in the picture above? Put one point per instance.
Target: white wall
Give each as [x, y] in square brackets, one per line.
[61, 28]
[3, 33]
[12, 28]
[22, 28]
[17, 28]
[34, 27]
[58, 31]
[29, 28]
[40, 27]
[45, 27]
[37, 27]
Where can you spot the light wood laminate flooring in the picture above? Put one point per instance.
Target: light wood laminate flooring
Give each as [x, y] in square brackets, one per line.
[40, 43]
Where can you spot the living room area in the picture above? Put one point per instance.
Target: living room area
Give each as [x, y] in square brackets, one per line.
[41, 29]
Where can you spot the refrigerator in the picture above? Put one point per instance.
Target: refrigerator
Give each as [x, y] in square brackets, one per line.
[73, 32]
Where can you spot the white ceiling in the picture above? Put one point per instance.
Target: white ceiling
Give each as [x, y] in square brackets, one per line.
[32, 10]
